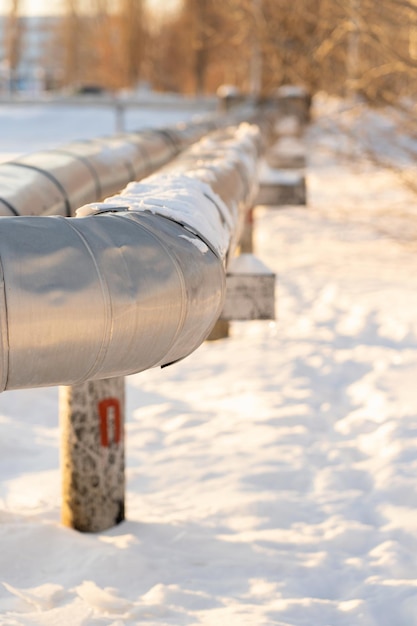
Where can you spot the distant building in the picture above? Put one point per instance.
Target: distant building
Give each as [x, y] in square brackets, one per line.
[39, 64]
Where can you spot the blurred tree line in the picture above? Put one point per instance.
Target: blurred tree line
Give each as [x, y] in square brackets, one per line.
[366, 47]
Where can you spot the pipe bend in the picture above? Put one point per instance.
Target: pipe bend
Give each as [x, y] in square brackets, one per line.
[101, 298]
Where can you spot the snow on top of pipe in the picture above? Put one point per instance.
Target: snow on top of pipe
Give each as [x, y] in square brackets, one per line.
[236, 144]
[184, 193]
[186, 200]
[181, 198]
[197, 243]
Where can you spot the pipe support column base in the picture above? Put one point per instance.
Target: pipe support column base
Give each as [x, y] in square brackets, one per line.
[92, 454]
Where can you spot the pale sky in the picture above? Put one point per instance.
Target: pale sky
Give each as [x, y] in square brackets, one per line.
[48, 7]
[33, 7]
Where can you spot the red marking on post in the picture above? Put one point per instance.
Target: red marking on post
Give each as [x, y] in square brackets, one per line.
[107, 408]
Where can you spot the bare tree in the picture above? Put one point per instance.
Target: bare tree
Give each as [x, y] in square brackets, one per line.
[13, 42]
[72, 42]
[132, 40]
[357, 46]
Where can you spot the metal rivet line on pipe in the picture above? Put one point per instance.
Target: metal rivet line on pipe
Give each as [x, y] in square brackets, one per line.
[53, 180]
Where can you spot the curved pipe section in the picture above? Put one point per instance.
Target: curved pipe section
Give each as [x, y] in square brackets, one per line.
[132, 283]
[100, 297]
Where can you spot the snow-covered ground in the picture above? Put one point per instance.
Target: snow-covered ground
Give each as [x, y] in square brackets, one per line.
[39, 126]
[272, 476]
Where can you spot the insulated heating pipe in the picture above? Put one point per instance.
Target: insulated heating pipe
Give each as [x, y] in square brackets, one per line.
[131, 283]
[60, 180]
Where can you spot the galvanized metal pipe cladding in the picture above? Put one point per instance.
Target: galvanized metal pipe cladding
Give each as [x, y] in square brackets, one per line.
[131, 283]
[59, 181]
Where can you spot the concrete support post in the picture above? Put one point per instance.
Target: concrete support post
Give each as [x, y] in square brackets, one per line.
[120, 117]
[92, 454]
[221, 328]
[246, 239]
[220, 331]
